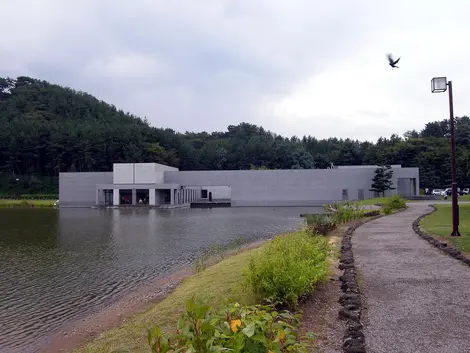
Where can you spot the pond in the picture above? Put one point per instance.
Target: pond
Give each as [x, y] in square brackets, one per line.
[57, 266]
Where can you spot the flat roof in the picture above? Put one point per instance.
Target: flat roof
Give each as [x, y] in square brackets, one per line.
[138, 186]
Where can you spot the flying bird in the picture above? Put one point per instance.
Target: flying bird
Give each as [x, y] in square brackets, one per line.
[393, 63]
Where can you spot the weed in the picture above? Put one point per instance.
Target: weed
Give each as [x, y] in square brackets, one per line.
[289, 267]
[231, 327]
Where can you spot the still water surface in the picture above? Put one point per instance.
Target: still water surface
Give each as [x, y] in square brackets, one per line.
[57, 266]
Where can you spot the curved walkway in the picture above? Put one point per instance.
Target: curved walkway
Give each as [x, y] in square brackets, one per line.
[416, 298]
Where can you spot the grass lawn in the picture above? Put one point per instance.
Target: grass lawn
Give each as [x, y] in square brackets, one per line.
[26, 203]
[439, 223]
[461, 198]
[219, 281]
[373, 201]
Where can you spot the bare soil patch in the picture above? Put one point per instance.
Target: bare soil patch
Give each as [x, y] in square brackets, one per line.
[320, 310]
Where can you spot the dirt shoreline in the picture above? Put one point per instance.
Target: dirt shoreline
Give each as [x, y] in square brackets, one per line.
[77, 333]
[320, 309]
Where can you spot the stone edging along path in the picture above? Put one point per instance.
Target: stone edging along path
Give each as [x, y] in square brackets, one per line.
[354, 339]
[450, 250]
[351, 302]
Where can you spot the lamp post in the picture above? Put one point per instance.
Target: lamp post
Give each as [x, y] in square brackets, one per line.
[16, 188]
[440, 84]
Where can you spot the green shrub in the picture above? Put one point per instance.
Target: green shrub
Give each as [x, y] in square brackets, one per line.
[250, 329]
[39, 196]
[335, 214]
[344, 212]
[372, 213]
[320, 223]
[387, 209]
[289, 267]
[396, 202]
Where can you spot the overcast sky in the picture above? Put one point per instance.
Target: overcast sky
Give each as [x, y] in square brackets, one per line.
[296, 67]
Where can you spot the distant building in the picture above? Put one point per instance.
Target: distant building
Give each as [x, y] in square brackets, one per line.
[155, 184]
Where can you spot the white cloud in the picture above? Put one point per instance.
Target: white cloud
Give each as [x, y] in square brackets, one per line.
[129, 66]
[296, 67]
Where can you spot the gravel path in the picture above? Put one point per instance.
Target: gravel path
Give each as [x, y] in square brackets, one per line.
[416, 299]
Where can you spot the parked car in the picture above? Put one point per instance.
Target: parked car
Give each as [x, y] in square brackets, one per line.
[448, 192]
[466, 191]
[437, 192]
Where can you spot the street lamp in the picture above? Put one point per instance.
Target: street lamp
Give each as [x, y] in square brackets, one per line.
[440, 84]
[16, 188]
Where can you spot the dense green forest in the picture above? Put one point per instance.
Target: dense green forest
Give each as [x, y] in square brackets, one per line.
[47, 129]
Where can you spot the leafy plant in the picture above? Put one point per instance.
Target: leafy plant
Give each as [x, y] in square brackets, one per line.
[396, 202]
[344, 212]
[320, 223]
[231, 327]
[289, 267]
[335, 214]
[387, 210]
[372, 213]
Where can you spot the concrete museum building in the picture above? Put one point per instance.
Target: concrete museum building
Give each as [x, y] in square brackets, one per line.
[156, 185]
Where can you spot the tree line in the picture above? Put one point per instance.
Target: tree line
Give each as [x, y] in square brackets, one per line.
[47, 129]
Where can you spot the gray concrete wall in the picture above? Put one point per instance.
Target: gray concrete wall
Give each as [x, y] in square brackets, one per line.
[79, 189]
[139, 173]
[284, 187]
[251, 187]
[290, 187]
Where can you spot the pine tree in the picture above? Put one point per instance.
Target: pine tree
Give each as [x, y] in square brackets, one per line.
[382, 180]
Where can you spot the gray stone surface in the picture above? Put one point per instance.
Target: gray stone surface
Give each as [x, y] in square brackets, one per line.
[416, 298]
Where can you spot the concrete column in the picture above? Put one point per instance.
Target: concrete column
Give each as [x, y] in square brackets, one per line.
[115, 197]
[158, 197]
[97, 197]
[134, 196]
[172, 197]
[152, 197]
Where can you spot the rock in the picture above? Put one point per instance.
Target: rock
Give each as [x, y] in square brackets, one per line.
[352, 307]
[349, 314]
[352, 302]
[345, 266]
[354, 326]
[346, 258]
[350, 286]
[351, 345]
[357, 335]
[460, 257]
[350, 299]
